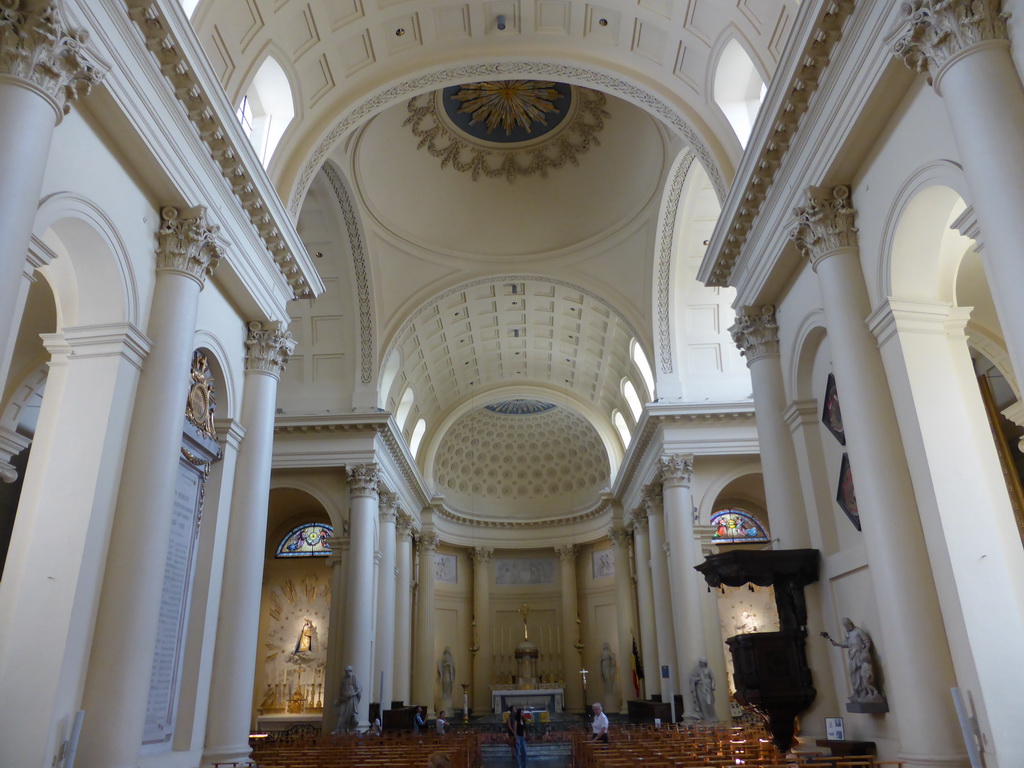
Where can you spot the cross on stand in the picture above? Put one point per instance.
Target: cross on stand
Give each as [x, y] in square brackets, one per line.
[584, 672]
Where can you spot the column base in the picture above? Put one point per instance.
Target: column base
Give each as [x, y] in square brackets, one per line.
[929, 760]
[237, 754]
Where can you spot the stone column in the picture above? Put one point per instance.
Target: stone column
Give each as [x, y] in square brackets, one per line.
[756, 333]
[686, 586]
[385, 649]
[425, 666]
[482, 639]
[268, 348]
[357, 632]
[942, 416]
[44, 66]
[571, 660]
[187, 252]
[645, 604]
[403, 611]
[664, 627]
[916, 657]
[620, 539]
[964, 48]
[334, 665]
[55, 564]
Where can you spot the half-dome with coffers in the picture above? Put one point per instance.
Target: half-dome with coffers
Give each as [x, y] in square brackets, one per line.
[525, 458]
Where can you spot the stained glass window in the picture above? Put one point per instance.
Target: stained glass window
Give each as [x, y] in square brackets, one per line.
[307, 540]
[736, 526]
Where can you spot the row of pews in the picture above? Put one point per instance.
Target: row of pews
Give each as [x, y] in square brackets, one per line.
[700, 746]
[395, 750]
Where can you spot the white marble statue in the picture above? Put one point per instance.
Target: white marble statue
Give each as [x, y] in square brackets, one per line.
[348, 702]
[860, 665]
[702, 690]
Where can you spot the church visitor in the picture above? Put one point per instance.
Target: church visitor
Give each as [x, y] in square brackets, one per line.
[440, 723]
[600, 725]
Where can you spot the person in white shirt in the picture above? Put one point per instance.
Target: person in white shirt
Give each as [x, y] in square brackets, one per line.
[440, 722]
[600, 725]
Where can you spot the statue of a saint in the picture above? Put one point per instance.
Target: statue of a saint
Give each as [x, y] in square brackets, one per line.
[609, 669]
[702, 689]
[860, 666]
[348, 702]
[446, 673]
[304, 642]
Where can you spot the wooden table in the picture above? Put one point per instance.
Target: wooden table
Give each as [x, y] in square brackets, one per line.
[848, 748]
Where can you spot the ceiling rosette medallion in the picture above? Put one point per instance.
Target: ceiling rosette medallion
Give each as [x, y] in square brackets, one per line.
[507, 128]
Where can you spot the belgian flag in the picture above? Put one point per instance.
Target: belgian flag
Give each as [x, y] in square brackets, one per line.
[638, 669]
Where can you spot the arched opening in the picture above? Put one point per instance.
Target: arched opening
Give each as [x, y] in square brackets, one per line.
[643, 365]
[404, 407]
[739, 89]
[266, 109]
[632, 399]
[417, 436]
[623, 429]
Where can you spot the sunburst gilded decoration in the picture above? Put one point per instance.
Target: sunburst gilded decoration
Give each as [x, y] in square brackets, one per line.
[520, 407]
[507, 111]
[507, 128]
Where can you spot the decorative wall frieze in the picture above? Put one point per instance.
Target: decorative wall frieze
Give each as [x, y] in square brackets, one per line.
[825, 224]
[566, 552]
[481, 555]
[256, 195]
[756, 332]
[551, 522]
[768, 155]
[464, 155]
[267, 348]
[359, 267]
[187, 242]
[363, 480]
[676, 470]
[666, 247]
[499, 71]
[38, 47]
[935, 31]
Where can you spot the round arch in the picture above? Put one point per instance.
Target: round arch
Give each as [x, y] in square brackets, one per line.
[809, 337]
[329, 504]
[707, 501]
[663, 104]
[223, 372]
[95, 284]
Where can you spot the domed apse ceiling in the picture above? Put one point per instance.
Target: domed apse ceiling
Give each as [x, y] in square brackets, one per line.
[521, 458]
[517, 168]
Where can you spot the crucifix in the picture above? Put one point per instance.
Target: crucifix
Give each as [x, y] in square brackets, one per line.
[525, 611]
[584, 672]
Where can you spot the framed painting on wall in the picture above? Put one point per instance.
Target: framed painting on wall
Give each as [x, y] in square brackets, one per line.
[845, 494]
[831, 416]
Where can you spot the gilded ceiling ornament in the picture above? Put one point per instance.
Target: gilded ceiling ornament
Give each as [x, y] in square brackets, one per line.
[470, 154]
[509, 103]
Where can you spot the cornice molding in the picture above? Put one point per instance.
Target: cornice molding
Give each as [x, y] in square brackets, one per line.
[762, 161]
[37, 47]
[227, 150]
[936, 32]
[756, 332]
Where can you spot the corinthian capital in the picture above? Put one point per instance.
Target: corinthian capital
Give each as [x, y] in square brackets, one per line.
[428, 543]
[187, 242]
[36, 46]
[566, 552]
[619, 537]
[640, 519]
[653, 498]
[268, 348]
[404, 527]
[481, 555]
[756, 332]
[937, 30]
[363, 479]
[825, 224]
[676, 470]
[388, 506]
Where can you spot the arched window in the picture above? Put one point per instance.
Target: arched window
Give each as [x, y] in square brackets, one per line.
[189, 6]
[620, 424]
[306, 540]
[643, 365]
[388, 374]
[632, 399]
[404, 406]
[266, 109]
[739, 89]
[736, 526]
[417, 436]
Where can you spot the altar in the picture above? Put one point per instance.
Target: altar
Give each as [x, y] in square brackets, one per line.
[285, 722]
[550, 699]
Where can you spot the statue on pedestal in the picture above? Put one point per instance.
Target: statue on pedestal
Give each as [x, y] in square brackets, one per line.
[702, 690]
[348, 702]
[866, 696]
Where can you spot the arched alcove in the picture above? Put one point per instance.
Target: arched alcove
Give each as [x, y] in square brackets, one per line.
[267, 108]
[739, 88]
